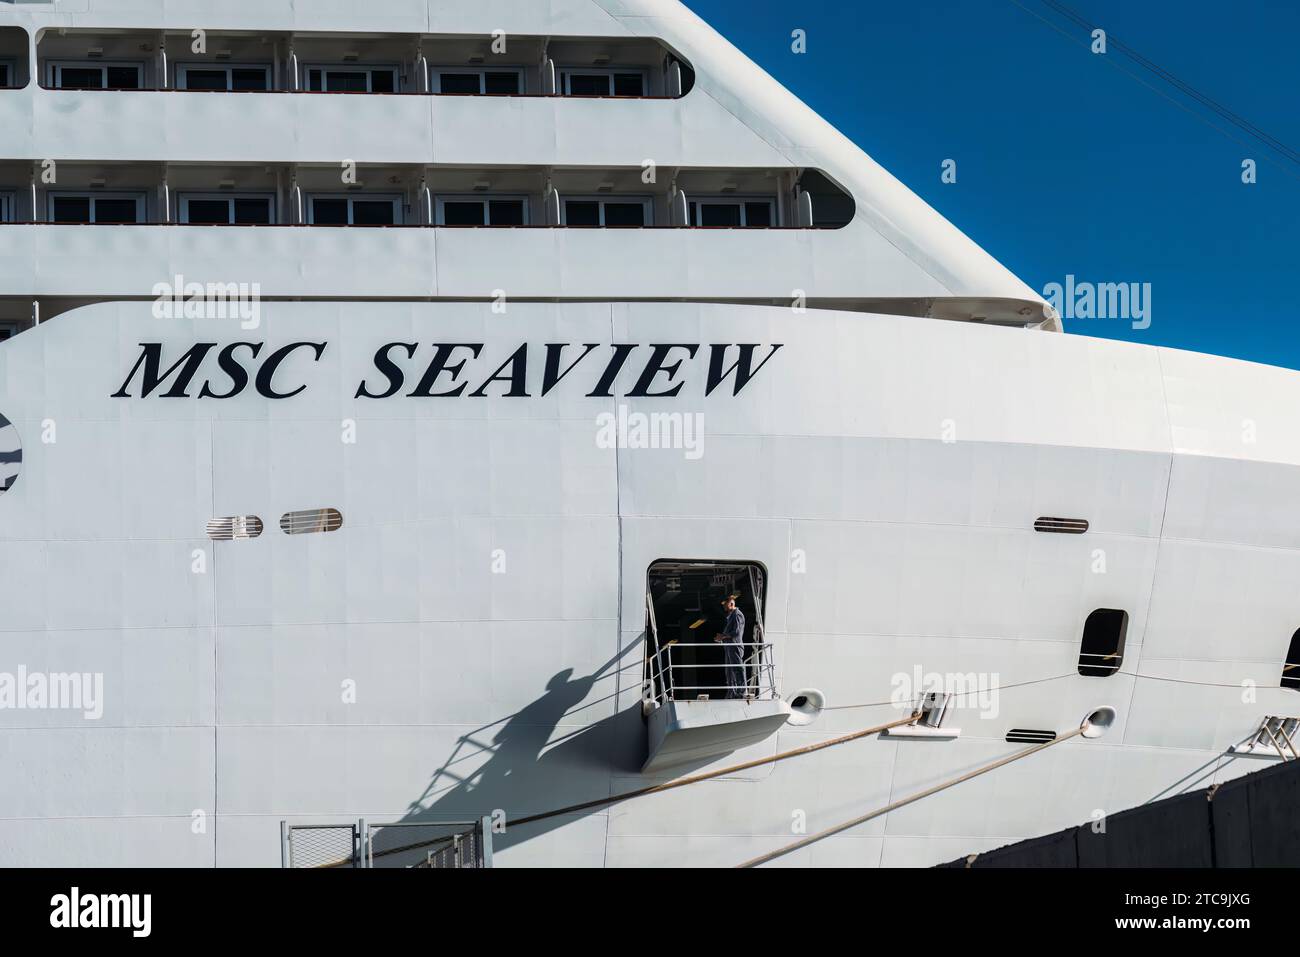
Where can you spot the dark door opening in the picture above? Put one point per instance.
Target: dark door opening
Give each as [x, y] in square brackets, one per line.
[685, 612]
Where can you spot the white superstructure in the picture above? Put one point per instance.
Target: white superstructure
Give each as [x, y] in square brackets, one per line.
[382, 540]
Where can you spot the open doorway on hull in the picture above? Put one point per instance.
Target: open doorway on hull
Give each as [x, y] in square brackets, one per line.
[686, 612]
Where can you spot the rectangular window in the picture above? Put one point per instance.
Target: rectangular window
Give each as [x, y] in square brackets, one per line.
[359, 210]
[482, 211]
[601, 211]
[733, 212]
[236, 209]
[222, 77]
[352, 79]
[90, 75]
[476, 82]
[6, 76]
[7, 214]
[97, 207]
[598, 82]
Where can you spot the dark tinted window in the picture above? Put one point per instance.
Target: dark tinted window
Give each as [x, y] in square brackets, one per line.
[329, 212]
[719, 214]
[382, 81]
[205, 79]
[758, 214]
[369, 212]
[5, 333]
[208, 211]
[588, 84]
[313, 79]
[71, 209]
[340, 82]
[507, 212]
[123, 78]
[115, 211]
[459, 83]
[78, 78]
[465, 213]
[502, 83]
[253, 211]
[1291, 667]
[624, 214]
[1102, 650]
[4, 75]
[582, 212]
[629, 84]
[248, 79]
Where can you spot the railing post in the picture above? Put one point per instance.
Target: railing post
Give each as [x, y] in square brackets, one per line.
[486, 842]
[286, 850]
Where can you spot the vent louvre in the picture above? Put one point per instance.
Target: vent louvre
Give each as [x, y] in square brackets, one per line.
[234, 528]
[311, 520]
[1061, 526]
[1029, 736]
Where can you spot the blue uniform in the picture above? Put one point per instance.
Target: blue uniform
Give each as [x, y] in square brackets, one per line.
[733, 634]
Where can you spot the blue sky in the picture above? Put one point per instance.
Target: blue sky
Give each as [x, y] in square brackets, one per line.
[1065, 163]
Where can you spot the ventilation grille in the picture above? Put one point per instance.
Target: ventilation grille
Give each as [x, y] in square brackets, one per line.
[234, 528]
[311, 520]
[1029, 736]
[1062, 526]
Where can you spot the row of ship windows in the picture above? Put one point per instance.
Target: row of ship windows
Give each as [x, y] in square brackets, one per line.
[362, 209]
[342, 78]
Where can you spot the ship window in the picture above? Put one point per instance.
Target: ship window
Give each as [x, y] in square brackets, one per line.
[598, 211]
[485, 211]
[11, 454]
[8, 330]
[75, 75]
[96, 207]
[685, 612]
[353, 210]
[1291, 667]
[738, 212]
[596, 82]
[471, 82]
[6, 76]
[352, 79]
[6, 207]
[311, 520]
[222, 77]
[1102, 650]
[236, 209]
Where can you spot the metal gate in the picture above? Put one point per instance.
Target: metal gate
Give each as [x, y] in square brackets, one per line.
[401, 844]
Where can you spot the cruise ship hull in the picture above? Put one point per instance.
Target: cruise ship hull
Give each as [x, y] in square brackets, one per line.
[472, 641]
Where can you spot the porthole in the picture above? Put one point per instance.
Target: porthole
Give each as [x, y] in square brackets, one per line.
[311, 520]
[1291, 667]
[806, 706]
[11, 455]
[1101, 651]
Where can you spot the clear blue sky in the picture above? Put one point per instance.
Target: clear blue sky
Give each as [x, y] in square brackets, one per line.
[1066, 164]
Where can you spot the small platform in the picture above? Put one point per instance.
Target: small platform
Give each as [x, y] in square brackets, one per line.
[684, 731]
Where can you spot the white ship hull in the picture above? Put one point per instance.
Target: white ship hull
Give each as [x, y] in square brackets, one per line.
[473, 638]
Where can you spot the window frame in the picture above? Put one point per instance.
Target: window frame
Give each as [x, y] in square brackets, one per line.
[183, 200]
[566, 75]
[645, 200]
[734, 199]
[8, 206]
[326, 68]
[53, 68]
[184, 67]
[436, 72]
[397, 199]
[94, 195]
[440, 199]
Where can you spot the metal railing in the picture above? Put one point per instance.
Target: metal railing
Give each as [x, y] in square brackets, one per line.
[672, 679]
[400, 844]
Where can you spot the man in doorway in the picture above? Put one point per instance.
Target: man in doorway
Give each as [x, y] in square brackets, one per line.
[733, 648]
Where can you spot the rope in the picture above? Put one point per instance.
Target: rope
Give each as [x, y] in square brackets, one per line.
[813, 838]
[670, 785]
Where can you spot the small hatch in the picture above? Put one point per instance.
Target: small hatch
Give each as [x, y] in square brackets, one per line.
[1029, 736]
[1061, 526]
[1102, 650]
[311, 520]
[234, 528]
